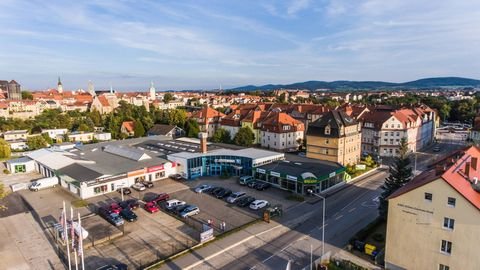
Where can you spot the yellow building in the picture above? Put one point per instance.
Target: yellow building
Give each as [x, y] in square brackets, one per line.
[335, 137]
[434, 221]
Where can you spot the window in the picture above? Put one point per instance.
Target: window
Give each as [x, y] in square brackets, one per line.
[443, 267]
[327, 130]
[446, 247]
[428, 196]
[100, 189]
[327, 141]
[451, 201]
[448, 223]
[159, 175]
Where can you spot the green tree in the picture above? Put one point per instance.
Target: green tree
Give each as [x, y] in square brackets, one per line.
[244, 137]
[221, 135]
[139, 130]
[5, 150]
[167, 97]
[282, 98]
[27, 95]
[3, 193]
[400, 174]
[47, 138]
[192, 129]
[83, 127]
[36, 142]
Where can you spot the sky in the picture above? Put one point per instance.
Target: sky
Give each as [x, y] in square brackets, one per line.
[216, 43]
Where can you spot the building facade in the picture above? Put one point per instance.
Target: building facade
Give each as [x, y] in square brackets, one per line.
[434, 221]
[335, 137]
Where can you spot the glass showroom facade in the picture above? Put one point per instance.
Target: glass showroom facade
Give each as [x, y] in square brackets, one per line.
[217, 165]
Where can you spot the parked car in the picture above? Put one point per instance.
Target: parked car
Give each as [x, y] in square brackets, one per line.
[128, 215]
[138, 187]
[223, 193]
[244, 180]
[115, 208]
[258, 204]
[203, 188]
[125, 191]
[178, 209]
[44, 183]
[189, 211]
[252, 184]
[262, 186]
[151, 207]
[131, 204]
[245, 201]
[160, 198]
[176, 176]
[214, 190]
[235, 196]
[113, 218]
[171, 204]
[148, 184]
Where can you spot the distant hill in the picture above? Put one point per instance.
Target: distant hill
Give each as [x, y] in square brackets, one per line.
[348, 85]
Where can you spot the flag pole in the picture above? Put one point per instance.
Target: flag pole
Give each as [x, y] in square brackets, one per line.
[72, 230]
[65, 233]
[80, 241]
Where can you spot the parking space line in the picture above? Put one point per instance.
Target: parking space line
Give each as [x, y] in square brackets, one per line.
[338, 217]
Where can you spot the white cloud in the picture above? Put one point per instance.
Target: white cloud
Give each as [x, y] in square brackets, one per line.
[297, 5]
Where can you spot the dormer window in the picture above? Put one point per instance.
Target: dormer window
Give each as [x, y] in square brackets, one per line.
[327, 130]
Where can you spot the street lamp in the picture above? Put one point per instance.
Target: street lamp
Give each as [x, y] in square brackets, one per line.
[323, 221]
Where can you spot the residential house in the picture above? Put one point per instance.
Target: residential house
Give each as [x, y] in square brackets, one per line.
[166, 130]
[128, 128]
[335, 137]
[80, 136]
[15, 135]
[434, 220]
[53, 133]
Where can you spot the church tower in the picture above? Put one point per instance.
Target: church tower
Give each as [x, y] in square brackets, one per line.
[152, 91]
[59, 86]
[91, 88]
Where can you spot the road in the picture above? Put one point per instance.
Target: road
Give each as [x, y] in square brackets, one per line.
[347, 212]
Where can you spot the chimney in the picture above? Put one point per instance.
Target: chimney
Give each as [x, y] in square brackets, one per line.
[474, 163]
[467, 170]
[203, 141]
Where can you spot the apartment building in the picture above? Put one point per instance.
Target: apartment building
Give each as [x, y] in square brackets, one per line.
[208, 120]
[384, 127]
[434, 221]
[335, 137]
[281, 132]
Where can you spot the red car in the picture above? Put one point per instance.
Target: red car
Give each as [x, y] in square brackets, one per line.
[151, 207]
[115, 208]
[160, 198]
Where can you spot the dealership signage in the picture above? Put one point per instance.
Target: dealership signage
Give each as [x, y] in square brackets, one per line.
[260, 170]
[206, 235]
[276, 174]
[289, 177]
[155, 168]
[221, 160]
[136, 173]
[332, 174]
[310, 181]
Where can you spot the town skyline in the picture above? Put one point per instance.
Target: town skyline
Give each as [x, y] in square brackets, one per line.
[191, 45]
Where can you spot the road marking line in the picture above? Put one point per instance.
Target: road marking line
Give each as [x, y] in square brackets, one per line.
[351, 210]
[339, 217]
[230, 247]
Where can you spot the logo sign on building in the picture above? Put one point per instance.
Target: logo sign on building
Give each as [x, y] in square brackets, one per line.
[332, 174]
[206, 235]
[276, 174]
[310, 181]
[135, 173]
[155, 168]
[361, 167]
[293, 178]
[222, 160]
[260, 170]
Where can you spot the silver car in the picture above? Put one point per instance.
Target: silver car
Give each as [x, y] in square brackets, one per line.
[235, 196]
[202, 188]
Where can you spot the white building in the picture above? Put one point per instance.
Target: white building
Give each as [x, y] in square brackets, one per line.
[53, 133]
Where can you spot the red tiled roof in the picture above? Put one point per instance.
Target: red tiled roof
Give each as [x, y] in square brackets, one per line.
[276, 121]
[207, 113]
[103, 100]
[129, 126]
[455, 175]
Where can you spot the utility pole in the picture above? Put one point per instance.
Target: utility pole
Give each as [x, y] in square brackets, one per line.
[323, 219]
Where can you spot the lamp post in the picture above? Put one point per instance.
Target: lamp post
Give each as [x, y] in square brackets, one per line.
[323, 220]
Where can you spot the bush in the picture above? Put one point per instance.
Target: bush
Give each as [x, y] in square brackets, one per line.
[5, 171]
[79, 203]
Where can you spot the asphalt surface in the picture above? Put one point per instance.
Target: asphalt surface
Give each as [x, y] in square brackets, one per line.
[347, 212]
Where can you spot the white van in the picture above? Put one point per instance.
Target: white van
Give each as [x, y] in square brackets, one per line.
[244, 180]
[43, 183]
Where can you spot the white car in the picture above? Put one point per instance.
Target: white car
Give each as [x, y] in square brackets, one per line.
[235, 196]
[170, 204]
[258, 204]
[202, 188]
[138, 186]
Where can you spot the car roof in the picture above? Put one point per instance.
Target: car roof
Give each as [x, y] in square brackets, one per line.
[173, 200]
